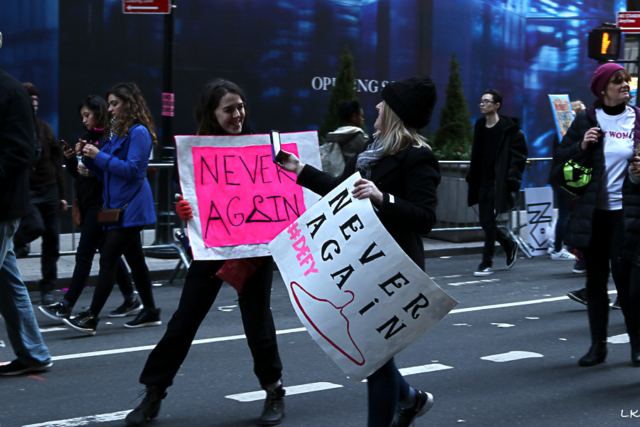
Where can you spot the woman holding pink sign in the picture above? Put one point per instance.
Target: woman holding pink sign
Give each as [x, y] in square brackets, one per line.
[400, 175]
[222, 110]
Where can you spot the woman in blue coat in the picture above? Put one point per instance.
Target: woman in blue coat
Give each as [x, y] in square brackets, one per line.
[121, 164]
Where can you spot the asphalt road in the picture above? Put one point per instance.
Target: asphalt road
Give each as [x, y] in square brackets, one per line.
[518, 310]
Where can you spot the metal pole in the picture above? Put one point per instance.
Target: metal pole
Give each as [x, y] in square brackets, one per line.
[166, 216]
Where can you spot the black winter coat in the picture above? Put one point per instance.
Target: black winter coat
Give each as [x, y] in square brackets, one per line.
[88, 188]
[511, 158]
[17, 147]
[412, 177]
[579, 229]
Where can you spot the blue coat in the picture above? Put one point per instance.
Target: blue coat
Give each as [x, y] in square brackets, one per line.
[121, 165]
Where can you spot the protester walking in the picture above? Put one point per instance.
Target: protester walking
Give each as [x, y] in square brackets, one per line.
[17, 153]
[121, 164]
[498, 157]
[221, 110]
[88, 190]
[400, 177]
[47, 190]
[603, 222]
[345, 142]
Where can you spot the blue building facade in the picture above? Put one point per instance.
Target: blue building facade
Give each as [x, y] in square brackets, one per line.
[284, 53]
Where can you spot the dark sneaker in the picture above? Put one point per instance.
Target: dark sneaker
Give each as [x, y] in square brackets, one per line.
[47, 298]
[579, 267]
[84, 322]
[512, 254]
[616, 304]
[273, 410]
[128, 308]
[57, 311]
[579, 296]
[147, 317]
[17, 368]
[407, 417]
[484, 269]
[148, 408]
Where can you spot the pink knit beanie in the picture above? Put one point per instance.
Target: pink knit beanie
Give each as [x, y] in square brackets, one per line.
[602, 75]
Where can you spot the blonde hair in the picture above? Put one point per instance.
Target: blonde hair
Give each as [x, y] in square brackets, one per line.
[396, 135]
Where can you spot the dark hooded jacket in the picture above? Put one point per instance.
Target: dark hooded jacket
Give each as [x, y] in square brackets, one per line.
[580, 227]
[511, 157]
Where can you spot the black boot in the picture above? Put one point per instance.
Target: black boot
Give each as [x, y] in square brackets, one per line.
[635, 350]
[596, 354]
[148, 408]
[273, 411]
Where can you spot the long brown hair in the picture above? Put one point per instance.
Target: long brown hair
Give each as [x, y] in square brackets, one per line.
[209, 101]
[134, 110]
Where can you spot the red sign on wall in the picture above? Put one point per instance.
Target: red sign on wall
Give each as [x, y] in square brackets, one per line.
[629, 22]
[146, 6]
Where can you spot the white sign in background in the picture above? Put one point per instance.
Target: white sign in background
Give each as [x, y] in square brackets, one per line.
[539, 205]
[308, 152]
[358, 294]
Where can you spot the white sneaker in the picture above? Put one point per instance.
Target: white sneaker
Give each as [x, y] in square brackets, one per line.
[563, 255]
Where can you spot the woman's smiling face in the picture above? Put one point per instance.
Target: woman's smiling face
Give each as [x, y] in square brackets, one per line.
[617, 90]
[230, 113]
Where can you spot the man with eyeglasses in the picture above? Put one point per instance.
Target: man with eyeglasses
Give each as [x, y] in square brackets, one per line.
[498, 158]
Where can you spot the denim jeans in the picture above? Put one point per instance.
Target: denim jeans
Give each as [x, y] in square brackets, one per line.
[15, 305]
[386, 387]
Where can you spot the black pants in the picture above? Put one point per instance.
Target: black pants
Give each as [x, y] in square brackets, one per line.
[117, 242]
[486, 212]
[91, 239]
[606, 247]
[200, 290]
[45, 211]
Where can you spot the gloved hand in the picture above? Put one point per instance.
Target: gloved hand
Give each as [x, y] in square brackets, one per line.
[183, 209]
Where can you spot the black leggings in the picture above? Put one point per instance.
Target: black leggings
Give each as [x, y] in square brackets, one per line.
[117, 242]
[200, 290]
[606, 247]
[91, 239]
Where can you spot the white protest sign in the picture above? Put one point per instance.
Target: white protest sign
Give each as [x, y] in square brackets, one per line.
[359, 295]
[539, 204]
[240, 199]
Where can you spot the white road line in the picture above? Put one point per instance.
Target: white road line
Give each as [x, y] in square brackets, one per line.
[511, 356]
[432, 367]
[473, 281]
[84, 421]
[52, 329]
[618, 339]
[252, 396]
[151, 347]
[295, 330]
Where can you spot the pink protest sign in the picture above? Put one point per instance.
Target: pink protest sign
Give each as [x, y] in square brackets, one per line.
[243, 197]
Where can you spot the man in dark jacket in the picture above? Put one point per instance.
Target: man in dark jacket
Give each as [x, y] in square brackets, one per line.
[498, 157]
[47, 190]
[17, 149]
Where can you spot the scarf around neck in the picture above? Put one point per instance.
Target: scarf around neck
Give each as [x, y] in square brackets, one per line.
[368, 159]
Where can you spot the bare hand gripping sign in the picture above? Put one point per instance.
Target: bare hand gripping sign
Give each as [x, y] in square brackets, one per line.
[359, 295]
[240, 199]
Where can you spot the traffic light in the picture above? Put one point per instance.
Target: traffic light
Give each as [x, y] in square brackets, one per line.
[604, 43]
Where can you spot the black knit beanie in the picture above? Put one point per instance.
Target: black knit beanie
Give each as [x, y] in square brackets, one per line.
[412, 100]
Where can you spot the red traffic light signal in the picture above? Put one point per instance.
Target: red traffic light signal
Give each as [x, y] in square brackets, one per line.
[604, 43]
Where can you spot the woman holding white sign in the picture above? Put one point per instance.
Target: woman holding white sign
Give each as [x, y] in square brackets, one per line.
[220, 111]
[400, 177]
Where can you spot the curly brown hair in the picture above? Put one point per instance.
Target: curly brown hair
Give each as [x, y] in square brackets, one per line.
[134, 110]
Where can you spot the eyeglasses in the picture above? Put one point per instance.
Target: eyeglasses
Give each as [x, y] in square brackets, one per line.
[485, 101]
